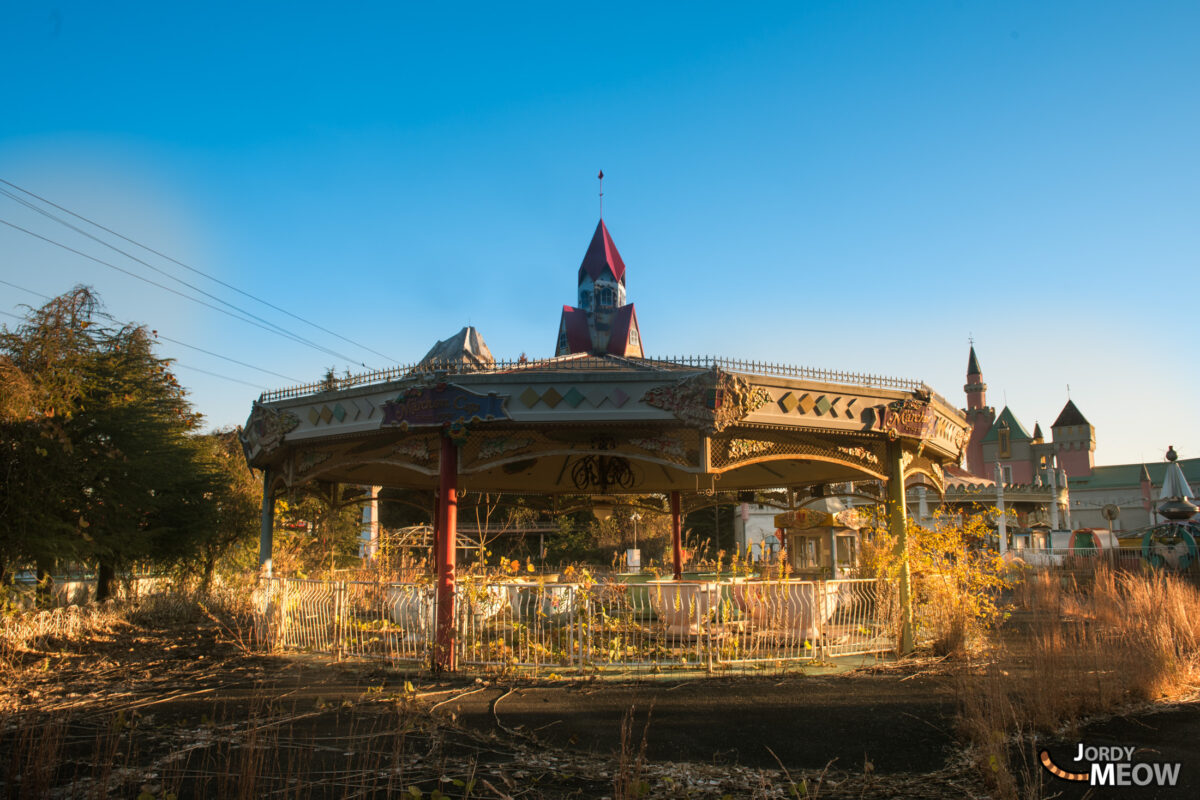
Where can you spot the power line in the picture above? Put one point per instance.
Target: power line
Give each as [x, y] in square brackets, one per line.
[175, 363]
[274, 330]
[158, 335]
[164, 273]
[229, 286]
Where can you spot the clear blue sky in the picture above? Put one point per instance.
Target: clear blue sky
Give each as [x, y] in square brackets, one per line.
[855, 186]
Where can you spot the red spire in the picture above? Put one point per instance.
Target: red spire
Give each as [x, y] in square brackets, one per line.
[602, 255]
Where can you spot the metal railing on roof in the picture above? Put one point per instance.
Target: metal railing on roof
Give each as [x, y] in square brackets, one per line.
[593, 364]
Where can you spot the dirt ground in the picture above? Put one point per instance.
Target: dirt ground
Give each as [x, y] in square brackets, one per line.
[185, 712]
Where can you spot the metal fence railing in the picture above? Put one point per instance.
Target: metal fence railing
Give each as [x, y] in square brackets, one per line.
[555, 627]
[1177, 556]
[576, 363]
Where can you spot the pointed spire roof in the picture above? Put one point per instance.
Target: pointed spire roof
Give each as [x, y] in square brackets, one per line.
[1016, 431]
[1070, 416]
[973, 363]
[464, 347]
[602, 256]
[1037, 432]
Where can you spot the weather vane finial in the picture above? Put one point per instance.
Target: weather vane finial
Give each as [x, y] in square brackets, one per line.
[600, 178]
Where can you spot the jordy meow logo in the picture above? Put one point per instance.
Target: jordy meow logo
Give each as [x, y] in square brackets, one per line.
[1114, 766]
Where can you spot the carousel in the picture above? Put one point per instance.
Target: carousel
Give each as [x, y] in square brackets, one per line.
[600, 419]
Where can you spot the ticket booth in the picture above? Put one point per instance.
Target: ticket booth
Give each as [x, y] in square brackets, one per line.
[821, 538]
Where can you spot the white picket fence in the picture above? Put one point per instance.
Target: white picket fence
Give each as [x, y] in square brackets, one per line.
[556, 627]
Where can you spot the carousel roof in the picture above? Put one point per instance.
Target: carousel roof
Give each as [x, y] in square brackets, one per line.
[586, 424]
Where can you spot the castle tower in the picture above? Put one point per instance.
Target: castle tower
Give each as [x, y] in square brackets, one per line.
[1074, 442]
[603, 322]
[980, 416]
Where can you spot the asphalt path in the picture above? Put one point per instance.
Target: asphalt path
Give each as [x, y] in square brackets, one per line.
[886, 723]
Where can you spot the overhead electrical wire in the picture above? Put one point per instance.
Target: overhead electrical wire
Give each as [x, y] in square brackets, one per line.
[158, 335]
[186, 266]
[175, 363]
[260, 387]
[163, 272]
[275, 330]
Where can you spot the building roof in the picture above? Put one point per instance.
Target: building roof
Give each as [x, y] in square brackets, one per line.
[618, 339]
[464, 347]
[602, 256]
[973, 363]
[1070, 416]
[1129, 476]
[579, 336]
[1016, 433]
[1037, 432]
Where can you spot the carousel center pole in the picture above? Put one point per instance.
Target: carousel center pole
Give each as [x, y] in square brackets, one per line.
[266, 533]
[899, 526]
[447, 524]
[676, 536]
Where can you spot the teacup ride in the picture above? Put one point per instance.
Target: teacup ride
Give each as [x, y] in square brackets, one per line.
[411, 607]
[684, 606]
[798, 608]
[1171, 546]
[531, 600]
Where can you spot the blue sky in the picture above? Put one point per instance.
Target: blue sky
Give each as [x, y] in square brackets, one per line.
[855, 186]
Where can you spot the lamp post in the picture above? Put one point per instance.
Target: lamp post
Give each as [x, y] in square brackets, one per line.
[633, 558]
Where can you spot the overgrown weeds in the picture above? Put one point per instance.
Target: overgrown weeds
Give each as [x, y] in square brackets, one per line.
[1074, 650]
[629, 781]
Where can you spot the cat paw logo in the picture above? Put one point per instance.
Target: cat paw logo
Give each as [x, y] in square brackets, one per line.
[1113, 766]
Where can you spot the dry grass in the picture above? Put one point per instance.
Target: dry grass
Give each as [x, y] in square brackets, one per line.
[27, 635]
[1073, 651]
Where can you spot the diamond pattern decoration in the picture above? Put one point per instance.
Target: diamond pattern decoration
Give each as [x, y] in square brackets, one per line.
[551, 397]
[833, 406]
[849, 410]
[806, 404]
[618, 398]
[529, 397]
[788, 402]
[313, 416]
[823, 405]
[573, 397]
[339, 412]
[596, 397]
[326, 414]
[367, 407]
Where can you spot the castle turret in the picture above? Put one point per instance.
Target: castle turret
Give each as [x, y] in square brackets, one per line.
[602, 322]
[979, 415]
[1074, 442]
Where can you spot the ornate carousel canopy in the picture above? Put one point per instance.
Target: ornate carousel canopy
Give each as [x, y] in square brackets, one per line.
[603, 424]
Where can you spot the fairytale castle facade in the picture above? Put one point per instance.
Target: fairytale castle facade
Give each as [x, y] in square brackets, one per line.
[1021, 455]
[1063, 468]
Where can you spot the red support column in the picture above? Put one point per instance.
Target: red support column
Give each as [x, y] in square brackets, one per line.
[676, 536]
[447, 524]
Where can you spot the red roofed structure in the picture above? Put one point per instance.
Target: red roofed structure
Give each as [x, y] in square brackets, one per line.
[602, 256]
[602, 323]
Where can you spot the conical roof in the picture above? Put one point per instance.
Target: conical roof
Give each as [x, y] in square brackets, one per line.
[973, 363]
[465, 347]
[1174, 484]
[1037, 433]
[1070, 416]
[602, 256]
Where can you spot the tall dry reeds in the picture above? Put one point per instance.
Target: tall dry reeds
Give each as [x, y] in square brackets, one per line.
[1075, 649]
